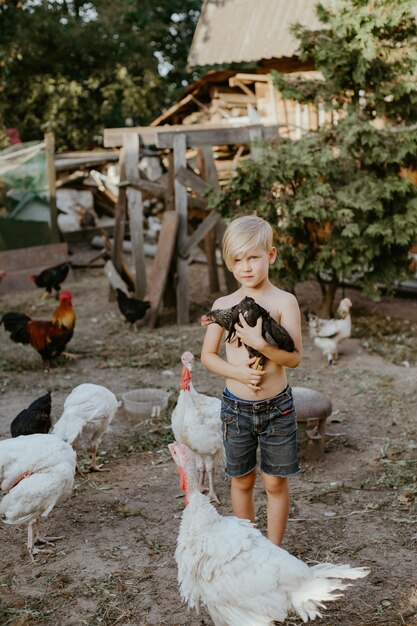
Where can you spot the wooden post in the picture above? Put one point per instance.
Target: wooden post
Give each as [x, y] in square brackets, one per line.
[135, 210]
[229, 279]
[209, 173]
[50, 164]
[170, 293]
[255, 135]
[180, 160]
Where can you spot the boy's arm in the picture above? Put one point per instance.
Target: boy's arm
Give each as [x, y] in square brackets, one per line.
[212, 361]
[290, 320]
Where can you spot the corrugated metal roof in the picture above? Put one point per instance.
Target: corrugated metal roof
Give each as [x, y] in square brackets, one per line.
[231, 31]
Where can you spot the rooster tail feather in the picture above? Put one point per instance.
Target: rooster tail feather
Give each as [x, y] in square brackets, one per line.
[17, 325]
[326, 581]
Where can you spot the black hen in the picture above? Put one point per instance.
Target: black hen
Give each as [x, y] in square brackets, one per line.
[272, 332]
[131, 308]
[35, 419]
[52, 277]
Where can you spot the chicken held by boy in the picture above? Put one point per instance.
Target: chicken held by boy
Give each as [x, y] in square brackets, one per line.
[272, 332]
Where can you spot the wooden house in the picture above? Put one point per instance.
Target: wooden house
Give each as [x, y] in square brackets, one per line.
[257, 35]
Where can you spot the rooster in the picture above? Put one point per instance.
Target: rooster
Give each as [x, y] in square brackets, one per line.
[51, 278]
[88, 411]
[3, 274]
[48, 338]
[35, 419]
[36, 472]
[272, 332]
[241, 577]
[195, 421]
[327, 334]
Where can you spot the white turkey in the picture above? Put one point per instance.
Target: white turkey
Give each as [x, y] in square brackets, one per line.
[241, 577]
[36, 472]
[327, 334]
[196, 422]
[88, 411]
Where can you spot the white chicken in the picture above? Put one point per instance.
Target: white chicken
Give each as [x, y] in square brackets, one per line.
[88, 411]
[36, 472]
[238, 574]
[327, 334]
[196, 422]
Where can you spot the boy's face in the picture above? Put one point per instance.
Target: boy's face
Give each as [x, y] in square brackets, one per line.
[251, 268]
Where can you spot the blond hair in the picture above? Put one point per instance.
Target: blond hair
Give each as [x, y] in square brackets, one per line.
[243, 234]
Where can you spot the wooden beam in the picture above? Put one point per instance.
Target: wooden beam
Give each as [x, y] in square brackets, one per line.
[190, 179]
[214, 136]
[159, 191]
[242, 86]
[161, 264]
[173, 109]
[224, 133]
[200, 232]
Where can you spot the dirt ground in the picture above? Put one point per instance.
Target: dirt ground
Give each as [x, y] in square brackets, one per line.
[116, 565]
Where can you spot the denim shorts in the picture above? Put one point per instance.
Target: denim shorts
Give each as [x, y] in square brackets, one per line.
[271, 423]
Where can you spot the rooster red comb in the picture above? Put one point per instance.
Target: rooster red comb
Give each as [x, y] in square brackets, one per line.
[65, 295]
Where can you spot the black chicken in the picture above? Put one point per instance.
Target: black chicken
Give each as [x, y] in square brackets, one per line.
[272, 332]
[131, 308]
[35, 419]
[52, 277]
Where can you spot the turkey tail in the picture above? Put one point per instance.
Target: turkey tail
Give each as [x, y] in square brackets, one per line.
[17, 325]
[322, 587]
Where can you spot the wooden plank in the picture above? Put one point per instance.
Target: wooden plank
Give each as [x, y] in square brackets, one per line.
[120, 217]
[135, 211]
[113, 137]
[209, 173]
[21, 262]
[214, 136]
[50, 164]
[180, 160]
[159, 271]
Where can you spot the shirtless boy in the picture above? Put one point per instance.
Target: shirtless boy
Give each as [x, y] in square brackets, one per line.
[257, 406]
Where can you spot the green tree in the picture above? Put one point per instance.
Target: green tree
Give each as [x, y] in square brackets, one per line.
[340, 199]
[75, 67]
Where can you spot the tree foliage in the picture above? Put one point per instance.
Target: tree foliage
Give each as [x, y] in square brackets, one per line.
[341, 199]
[75, 67]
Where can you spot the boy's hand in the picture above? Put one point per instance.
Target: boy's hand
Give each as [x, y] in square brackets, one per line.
[251, 378]
[250, 335]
